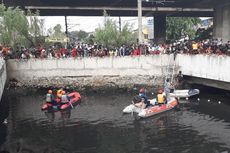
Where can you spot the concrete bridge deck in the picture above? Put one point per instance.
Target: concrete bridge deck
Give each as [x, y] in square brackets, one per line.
[114, 7]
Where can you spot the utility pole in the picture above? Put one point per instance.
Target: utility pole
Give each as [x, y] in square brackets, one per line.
[66, 31]
[120, 23]
[139, 6]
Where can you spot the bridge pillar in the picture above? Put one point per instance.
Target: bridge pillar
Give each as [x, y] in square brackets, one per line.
[222, 22]
[160, 28]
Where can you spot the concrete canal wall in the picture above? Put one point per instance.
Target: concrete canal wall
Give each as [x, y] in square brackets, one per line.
[107, 71]
[212, 67]
[2, 76]
[211, 70]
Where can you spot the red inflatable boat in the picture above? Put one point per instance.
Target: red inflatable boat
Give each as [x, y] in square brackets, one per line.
[75, 99]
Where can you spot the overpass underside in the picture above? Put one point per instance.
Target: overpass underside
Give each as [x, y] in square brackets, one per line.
[160, 9]
[120, 11]
[208, 82]
[117, 7]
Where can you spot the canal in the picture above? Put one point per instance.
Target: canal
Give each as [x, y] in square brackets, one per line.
[98, 125]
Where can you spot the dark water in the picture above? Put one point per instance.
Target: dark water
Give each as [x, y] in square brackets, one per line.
[98, 126]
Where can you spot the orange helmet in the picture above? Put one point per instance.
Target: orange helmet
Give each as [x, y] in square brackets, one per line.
[160, 91]
[49, 91]
[63, 92]
[142, 90]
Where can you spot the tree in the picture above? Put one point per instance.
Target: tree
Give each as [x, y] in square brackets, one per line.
[203, 33]
[78, 35]
[82, 35]
[15, 29]
[177, 27]
[36, 27]
[56, 35]
[109, 35]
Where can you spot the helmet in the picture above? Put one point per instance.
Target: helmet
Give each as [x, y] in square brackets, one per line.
[63, 92]
[160, 91]
[142, 90]
[49, 91]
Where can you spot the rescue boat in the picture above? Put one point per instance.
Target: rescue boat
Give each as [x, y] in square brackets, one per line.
[152, 110]
[185, 93]
[75, 99]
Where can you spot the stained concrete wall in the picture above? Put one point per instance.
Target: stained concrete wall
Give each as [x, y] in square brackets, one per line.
[212, 67]
[107, 66]
[211, 70]
[2, 76]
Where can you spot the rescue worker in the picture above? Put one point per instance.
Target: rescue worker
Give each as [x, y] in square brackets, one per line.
[167, 89]
[64, 98]
[144, 97]
[138, 102]
[160, 97]
[59, 93]
[49, 96]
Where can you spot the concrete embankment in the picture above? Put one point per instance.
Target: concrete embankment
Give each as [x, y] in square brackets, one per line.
[2, 76]
[118, 72]
[209, 70]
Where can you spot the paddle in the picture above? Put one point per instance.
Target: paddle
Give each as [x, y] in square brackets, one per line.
[71, 104]
[68, 98]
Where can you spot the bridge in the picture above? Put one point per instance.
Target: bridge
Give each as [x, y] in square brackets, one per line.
[117, 7]
[160, 9]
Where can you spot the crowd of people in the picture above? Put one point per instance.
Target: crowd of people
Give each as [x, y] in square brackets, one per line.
[209, 46]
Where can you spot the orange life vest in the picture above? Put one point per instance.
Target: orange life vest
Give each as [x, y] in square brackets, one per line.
[59, 93]
[160, 98]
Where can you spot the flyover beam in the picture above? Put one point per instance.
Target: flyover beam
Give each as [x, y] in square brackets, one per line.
[158, 9]
[119, 11]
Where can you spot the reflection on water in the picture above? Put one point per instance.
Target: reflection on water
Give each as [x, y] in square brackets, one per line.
[98, 126]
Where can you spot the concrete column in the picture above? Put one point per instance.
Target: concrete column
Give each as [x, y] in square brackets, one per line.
[160, 28]
[139, 5]
[222, 22]
[226, 24]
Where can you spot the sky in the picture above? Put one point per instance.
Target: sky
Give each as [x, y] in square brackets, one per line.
[89, 24]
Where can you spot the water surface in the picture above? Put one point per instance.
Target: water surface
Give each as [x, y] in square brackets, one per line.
[98, 126]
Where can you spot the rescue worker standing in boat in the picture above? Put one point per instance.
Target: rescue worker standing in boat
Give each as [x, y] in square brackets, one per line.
[167, 89]
[59, 93]
[50, 97]
[64, 98]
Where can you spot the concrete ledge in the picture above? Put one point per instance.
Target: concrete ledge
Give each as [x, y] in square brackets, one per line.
[2, 76]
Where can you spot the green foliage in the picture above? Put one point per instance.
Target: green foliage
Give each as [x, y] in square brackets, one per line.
[15, 29]
[56, 35]
[78, 35]
[109, 35]
[90, 39]
[178, 27]
[202, 33]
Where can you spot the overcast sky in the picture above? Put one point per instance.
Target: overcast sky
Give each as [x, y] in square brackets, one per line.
[88, 24]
